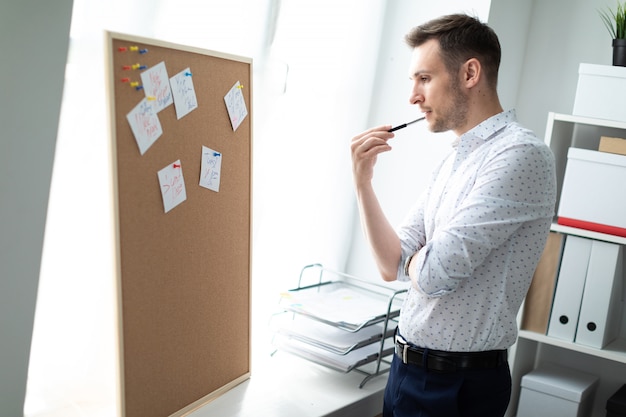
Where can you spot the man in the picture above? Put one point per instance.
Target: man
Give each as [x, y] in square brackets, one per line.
[471, 243]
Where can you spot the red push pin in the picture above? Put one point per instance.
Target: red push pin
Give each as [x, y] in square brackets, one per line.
[127, 67]
[122, 49]
[176, 166]
[125, 80]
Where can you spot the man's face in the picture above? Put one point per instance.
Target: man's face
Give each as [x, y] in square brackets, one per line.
[438, 93]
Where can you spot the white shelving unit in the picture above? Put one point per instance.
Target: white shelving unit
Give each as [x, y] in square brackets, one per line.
[532, 349]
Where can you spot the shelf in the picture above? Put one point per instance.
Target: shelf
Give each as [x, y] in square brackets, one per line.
[330, 338]
[342, 363]
[564, 131]
[588, 234]
[615, 351]
[588, 121]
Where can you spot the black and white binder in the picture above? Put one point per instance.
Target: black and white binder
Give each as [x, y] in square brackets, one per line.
[601, 309]
[569, 288]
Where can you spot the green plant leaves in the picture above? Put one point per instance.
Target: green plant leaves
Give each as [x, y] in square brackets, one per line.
[615, 21]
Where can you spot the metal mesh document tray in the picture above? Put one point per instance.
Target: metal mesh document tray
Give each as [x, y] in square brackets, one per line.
[340, 321]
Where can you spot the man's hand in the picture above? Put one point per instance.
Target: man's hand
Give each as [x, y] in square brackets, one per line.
[411, 269]
[365, 148]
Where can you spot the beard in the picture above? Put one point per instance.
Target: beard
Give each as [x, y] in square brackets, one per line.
[453, 115]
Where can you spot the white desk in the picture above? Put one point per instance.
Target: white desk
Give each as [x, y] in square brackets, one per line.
[287, 386]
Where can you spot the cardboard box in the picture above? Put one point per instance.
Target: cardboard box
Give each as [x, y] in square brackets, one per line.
[599, 92]
[556, 391]
[592, 195]
[612, 145]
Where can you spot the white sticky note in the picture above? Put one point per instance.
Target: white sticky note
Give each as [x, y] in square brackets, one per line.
[183, 92]
[156, 85]
[236, 105]
[210, 170]
[145, 124]
[172, 185]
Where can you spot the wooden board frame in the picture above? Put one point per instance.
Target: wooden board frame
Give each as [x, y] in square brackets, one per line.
[183, 277]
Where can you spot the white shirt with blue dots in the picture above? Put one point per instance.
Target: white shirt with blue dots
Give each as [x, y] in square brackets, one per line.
[480, 228]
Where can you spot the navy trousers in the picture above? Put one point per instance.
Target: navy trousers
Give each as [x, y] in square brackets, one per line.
[413, 391]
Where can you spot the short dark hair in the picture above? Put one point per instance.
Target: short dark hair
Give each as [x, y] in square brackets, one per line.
[461, 37]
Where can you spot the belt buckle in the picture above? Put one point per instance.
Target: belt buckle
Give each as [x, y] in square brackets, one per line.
[401, 343]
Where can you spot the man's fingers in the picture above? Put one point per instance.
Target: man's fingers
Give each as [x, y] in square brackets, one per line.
[371, 139]
[382, 131]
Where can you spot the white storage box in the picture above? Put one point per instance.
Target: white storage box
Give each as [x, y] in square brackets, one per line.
[600, 91]
[592, 196]
[556, 392]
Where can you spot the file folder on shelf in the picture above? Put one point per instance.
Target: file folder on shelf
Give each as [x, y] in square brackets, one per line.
[569, 288]
[538, 302]
[601, 309]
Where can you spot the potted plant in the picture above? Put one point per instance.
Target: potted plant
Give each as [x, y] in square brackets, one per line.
[615, 22]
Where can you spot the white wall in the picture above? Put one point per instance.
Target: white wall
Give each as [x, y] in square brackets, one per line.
[511, 19]
[561, 35]
[33, 45]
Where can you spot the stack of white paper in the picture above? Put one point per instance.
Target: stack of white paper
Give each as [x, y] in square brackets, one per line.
[340, 304]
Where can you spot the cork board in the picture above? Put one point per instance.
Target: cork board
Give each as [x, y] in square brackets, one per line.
[183, 275]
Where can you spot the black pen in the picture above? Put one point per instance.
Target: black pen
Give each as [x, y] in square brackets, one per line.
[402, 126]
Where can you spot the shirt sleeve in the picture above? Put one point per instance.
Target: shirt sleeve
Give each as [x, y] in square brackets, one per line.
[512, 186]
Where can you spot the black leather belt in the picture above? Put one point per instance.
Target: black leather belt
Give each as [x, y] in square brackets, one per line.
[441, 361]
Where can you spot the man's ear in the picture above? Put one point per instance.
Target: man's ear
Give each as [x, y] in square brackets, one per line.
[471, 72]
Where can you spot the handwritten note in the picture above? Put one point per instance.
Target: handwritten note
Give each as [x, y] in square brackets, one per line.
[172, 185]
[236, 105]
[157, 87]
[210, 169]
[145, 124]
[184, 94]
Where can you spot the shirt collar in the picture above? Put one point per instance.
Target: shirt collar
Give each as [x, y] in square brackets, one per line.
[485, 130]
[481, 133]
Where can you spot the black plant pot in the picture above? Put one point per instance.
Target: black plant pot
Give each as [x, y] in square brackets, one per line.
[619, 52]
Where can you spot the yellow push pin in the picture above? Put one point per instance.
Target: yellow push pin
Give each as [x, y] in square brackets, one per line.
[134, 48]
